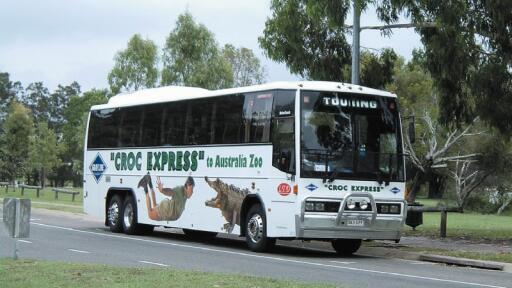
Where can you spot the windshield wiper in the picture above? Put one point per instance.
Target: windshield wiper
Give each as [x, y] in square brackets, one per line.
[326, 170]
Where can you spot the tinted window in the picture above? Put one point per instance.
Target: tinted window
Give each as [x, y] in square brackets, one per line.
[283, 127]
[198, 122]
[257, 112]
[152, 117]
[227, 119]
[130, 129]
[103, 130]
[230, 119]
[173, 123]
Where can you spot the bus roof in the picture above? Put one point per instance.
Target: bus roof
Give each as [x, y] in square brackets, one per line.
[176, 93]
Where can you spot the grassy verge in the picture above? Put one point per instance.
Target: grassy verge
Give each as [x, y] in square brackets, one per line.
[41, 274]
[45, 195]
[498, 257]
[47, 199]
[476, 227]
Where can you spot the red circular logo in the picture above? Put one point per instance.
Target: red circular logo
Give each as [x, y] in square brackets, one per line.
[284, 189]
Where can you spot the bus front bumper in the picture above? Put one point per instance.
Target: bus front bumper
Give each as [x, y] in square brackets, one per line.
[351, 225]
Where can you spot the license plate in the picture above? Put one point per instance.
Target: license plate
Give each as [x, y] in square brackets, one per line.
[355, 222]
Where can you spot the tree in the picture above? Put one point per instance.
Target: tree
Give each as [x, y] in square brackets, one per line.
[73, 132]
[377, 71]
[58, 103]
[192, 57]
[14, 142]
[37, 99]
[135, 67]
[246, 67]
[308, 36]
[9, 91]
[436, 155]
[44, 151]
[468, 53]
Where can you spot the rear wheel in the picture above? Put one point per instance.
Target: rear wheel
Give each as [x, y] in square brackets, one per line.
[129, 219]
[115, 207]
[346, 247]
[199, 235]
[256, 230]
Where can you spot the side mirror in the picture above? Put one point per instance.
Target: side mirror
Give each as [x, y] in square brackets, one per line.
[412, 131]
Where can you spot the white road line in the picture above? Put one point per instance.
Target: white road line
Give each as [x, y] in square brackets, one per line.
[271, 257]
[154, 263]
[79, 251]
[345, 263]
[25, 241]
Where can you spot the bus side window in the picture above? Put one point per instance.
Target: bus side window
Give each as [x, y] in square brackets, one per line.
[173, 123]
[226, 119]
[283, 131]
[103, 129]
[130, 127]
[150, 128]
[257, 114]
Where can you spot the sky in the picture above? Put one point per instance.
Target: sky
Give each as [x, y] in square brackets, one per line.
[61, 41]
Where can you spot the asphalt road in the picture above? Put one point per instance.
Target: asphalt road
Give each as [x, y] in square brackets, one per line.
[75, 238]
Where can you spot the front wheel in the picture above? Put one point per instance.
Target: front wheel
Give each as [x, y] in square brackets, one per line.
[256, 230]
[346, 247]
[114, 214]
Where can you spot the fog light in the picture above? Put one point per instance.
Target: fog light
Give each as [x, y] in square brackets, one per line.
[394, 209]
[319, 206]
[363, 205]
[310, 206]
[351, 204]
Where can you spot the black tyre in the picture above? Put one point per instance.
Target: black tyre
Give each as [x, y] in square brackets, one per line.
[129, 219]
[200, 235]
[346, 247]
[114, 214]
[256, 230]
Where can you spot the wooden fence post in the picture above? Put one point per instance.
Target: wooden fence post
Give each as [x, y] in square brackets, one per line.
[444, 219]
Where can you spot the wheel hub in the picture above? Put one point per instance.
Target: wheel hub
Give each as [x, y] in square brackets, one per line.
[113, 213]
[255, 228]
[128, 216]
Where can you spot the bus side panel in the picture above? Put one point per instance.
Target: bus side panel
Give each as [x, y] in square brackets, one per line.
[223, 176]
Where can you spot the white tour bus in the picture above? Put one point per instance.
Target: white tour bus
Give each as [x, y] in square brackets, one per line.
[286, 160]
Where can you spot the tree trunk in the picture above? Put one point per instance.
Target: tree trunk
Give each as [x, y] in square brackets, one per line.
[416, 184]
[435, 186]
[43, 177]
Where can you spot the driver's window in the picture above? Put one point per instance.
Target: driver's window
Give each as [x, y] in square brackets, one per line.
[387, 148]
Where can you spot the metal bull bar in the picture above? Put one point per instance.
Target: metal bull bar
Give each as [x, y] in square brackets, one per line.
[341, 211]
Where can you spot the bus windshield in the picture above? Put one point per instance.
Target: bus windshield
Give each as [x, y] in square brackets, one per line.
[350, 136]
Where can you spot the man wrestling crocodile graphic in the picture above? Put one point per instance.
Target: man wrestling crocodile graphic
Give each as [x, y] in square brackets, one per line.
[168, 209]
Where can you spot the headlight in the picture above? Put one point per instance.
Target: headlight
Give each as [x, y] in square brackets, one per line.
[394, 209]
[310, 206]
[385, 208]
[351, 204]
[322, 206]
[319, 206]
[363, 205]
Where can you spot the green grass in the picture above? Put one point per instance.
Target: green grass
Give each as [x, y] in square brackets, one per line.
[45, 195]
[42, 274]
[467, 225]
[47, 199]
